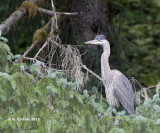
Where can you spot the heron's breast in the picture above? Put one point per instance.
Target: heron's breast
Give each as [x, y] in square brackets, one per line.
[110, 96]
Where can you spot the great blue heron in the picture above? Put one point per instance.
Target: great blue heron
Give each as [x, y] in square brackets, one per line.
[118, 88]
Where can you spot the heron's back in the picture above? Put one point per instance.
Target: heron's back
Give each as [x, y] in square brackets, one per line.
[119, 91]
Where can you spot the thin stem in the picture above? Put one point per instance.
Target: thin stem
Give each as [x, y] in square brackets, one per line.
[92, 72]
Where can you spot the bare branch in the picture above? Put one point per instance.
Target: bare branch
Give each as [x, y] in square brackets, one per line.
[57, 44]
[45, 44]
[66, 13]
[54, 11]
[51, 13]
[17, 15]
[54, 21]
[28, 50]
[36, 42]
[30, 59]
[12, 20]
[92, 72]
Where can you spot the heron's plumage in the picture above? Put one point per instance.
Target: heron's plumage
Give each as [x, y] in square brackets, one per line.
[118, 88]
[123, 91]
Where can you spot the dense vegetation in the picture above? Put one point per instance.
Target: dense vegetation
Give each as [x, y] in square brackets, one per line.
[38, 98]
[51, 104]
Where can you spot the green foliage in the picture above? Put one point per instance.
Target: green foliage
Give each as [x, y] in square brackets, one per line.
[5, 54]
[51, 104]
[140, 25]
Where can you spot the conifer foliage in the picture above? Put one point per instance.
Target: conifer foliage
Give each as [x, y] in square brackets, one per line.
[50, 103]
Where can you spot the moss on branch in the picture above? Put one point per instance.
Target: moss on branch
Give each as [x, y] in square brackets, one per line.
[30, 7]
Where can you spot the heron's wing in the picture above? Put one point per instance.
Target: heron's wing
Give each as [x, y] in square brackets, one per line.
[123, 91]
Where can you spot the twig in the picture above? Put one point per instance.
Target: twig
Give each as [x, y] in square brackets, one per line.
[150, 87]
[54, 10]
[16, 122]
[30, 48]
[57, 44]
[51, 13]
[31, 59]
[43, 64]
[54, 20]
[146, 88]
[45, 44]
[66, 13]
[12, 97]
[34, 43]
[92, 72]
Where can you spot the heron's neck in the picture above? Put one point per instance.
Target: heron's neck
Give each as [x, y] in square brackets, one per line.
[105, 68]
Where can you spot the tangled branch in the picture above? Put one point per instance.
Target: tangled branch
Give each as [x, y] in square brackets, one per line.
[16, 16]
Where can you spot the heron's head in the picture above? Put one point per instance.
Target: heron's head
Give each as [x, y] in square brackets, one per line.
[100, 40]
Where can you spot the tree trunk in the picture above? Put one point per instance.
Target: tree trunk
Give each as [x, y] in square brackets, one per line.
[92, 19]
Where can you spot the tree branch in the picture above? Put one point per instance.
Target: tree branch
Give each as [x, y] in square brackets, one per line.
[51, 13]
[92, 72]
[30, 48]
[12, 20]
[45, 11]
[17, 15]
[45, 44]
[36, 42]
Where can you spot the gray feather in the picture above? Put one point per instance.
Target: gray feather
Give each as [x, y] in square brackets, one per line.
[123, 92]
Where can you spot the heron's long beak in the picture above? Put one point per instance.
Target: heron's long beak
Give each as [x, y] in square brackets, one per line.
[96, 42]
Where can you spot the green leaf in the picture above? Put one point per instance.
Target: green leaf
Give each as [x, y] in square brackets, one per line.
[157, 122]
[5, 40]
[64, 104]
